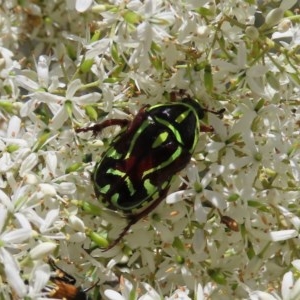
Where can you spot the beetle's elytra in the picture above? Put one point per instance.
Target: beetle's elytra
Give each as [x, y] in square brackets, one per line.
[135, 173]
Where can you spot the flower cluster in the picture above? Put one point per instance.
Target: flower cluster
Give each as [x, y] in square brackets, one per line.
[229, 227]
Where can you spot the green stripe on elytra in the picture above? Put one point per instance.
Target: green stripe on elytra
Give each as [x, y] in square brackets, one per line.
[153, 193]
[185, 115]
[182, 116]
[171, 159]
[126, 178]
[135, 137]
[171, 127]
[112, 152]
[162, 137]
[104, 189]
[149, 187]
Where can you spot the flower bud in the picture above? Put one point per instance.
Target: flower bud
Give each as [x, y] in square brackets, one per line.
[274, 16]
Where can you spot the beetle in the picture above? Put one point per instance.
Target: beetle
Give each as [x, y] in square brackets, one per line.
[135, 172]
[62, 286]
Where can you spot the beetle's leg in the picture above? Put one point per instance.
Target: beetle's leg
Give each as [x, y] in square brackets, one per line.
[100, 126]
[205, 128]
[135, 218]
[121, 235]
[219, 112]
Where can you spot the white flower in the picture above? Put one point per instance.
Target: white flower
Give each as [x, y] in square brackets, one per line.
[12, 272]
[45, 79]
[39, 278]
[64, 108]
[290, 290]
[289, 38]
[11, 238]
[128, 291]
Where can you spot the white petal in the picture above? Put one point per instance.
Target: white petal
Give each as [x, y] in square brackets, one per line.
[17, 236]
[12, 271]
[73, 87]
[295, 293]
[296, 264]
[13, 127]
[257, 71]
[199, 211]
[47, 189]
[26, 83]
[242, 56]
[66, 188]
[76, 223]
[23, 221]
[87, 98]
[51, 161]
[175, 197]
[31, 179]
[295, 169]
[215, 198]
[41, 277]
[42, 250]
[3, 216]
[199, 241]
[151, 293]
[5, 162]
[258, 295]
[52, 215]
[28, 164]
[77, 237]
[48, 97]
[113, 295]
[287, 4]
[83, 5]
[287, 284]
[218, 126]
[5, 200]
[15, 281]
[283, 235]
[200, 292]
[59, 118]
[43, 70]
[97, 48]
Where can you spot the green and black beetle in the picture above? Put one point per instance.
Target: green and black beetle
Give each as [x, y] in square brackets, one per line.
[135, 173]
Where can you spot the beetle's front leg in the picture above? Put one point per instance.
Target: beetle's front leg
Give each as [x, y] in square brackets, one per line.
[100, 126]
